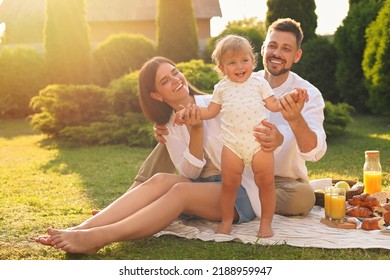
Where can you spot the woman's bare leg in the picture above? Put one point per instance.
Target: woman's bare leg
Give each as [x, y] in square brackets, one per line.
[263, 169]
[232, 168]
[201, 199]
[128, 203]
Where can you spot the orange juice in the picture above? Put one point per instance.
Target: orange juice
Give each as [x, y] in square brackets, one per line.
[372, 182]
[327, 204]
[337, 203]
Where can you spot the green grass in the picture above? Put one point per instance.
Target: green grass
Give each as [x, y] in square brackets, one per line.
[45, 183]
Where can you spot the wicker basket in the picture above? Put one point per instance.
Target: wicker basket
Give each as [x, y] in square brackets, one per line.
[356, 188]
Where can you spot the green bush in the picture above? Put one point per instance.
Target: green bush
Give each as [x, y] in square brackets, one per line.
[132, 129]
[22, 76]
[59, 106]
[337, 117]
[118, 55]
[123, 94]
[200, 74]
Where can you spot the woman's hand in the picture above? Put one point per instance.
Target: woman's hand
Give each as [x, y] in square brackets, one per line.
[159, 131]
[268, 136]
[189, 116]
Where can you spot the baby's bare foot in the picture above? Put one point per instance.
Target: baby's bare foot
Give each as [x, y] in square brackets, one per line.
[265, 230]
[224, 228]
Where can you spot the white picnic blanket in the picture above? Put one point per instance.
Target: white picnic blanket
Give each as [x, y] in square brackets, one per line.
[299, 231]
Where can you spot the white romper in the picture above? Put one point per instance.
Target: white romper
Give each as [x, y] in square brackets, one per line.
[242, 109]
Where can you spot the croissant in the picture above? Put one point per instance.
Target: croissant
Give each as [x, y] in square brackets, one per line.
[386, 218]
[359, 211]
[363, 199]
[373, 223]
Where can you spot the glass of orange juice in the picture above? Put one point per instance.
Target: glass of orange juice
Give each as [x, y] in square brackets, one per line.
[327, 195]
[337, 204]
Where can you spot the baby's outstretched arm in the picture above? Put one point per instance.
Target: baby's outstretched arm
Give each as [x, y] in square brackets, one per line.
[298, 94]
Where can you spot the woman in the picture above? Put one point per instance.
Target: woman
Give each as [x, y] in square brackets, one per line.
[155, 204]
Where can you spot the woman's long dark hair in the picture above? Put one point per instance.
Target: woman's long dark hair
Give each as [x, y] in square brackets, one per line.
[156, 111]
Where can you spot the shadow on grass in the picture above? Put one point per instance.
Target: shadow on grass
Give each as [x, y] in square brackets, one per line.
[106, 172]
[11, 128]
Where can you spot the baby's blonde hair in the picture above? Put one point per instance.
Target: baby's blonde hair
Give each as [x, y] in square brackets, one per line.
[234, 43]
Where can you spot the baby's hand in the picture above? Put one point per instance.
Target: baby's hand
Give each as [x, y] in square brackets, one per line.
[299, 94]
[179, 116]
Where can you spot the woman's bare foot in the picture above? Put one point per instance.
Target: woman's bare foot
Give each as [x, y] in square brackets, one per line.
[224, 228]
[44, 240]
[75, 241]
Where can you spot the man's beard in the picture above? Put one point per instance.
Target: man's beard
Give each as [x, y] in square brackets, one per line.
[275, 72]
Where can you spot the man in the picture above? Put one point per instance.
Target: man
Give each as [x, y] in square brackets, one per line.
[297, 131]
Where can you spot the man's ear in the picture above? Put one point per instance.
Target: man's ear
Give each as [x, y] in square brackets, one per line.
[156, 96]
[298, 56]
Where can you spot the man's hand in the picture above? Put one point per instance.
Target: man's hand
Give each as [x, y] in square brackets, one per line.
[291, 109]
[268, 136]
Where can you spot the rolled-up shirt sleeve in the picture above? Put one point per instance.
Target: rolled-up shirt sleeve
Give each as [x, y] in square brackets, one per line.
[177, 142]
[314, 117]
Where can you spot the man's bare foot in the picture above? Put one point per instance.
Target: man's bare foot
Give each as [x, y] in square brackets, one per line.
[224, 228]
[75, 241]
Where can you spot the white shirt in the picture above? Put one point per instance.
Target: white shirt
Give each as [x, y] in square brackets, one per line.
[289, 161]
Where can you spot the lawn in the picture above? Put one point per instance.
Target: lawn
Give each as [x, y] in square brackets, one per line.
[45, 183]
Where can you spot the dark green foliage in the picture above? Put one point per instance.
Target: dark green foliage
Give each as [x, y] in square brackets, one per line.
[132, 129]
[22, 76]
[66, 40]
[349, 41]
[376, 62]
[337, 117]
[251, 29]
[123, 94]
[302, 11]
[318, 65]
[176, 30]
[200, 74]
[59, 106]
[118, 55]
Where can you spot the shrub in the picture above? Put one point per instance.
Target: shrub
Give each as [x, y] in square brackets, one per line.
[201, 75]
[123, 94]
[59, 106]
[132, 129]
[22, 76]
[118, 55]
[337, 116]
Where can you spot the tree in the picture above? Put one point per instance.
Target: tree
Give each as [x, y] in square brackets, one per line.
[66, 40]
[376, 62]
[321, 53]
[176, 30]
[302, 11]
[350, 44]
